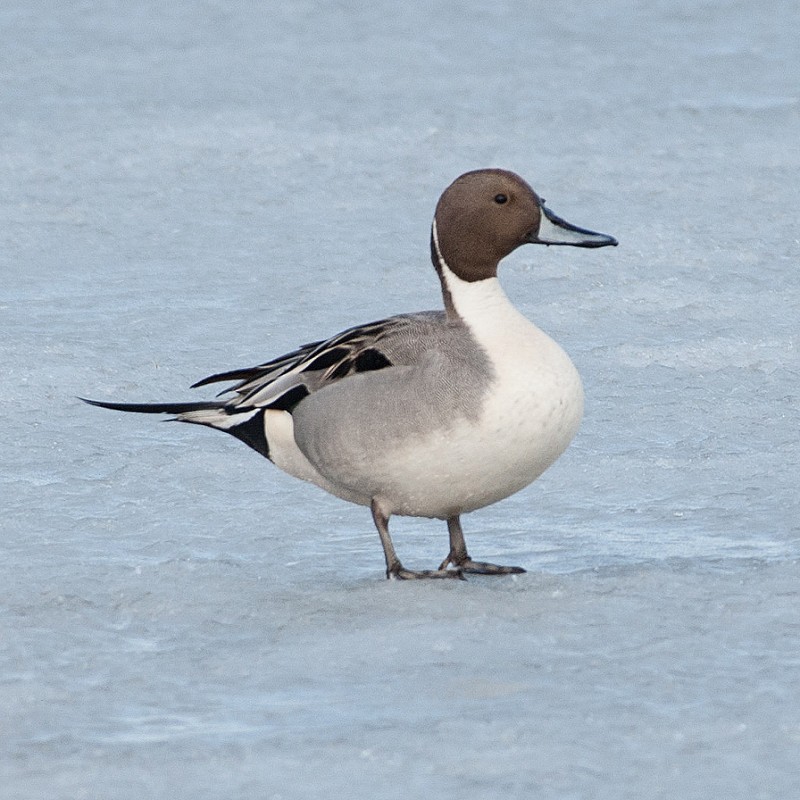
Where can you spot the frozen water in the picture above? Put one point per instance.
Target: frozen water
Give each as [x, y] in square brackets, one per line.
[188, 187]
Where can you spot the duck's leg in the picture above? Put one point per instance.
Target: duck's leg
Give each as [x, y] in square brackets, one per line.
[394, 569]
[459, 557]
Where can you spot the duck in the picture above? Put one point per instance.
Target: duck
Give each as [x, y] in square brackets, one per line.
[429, 414]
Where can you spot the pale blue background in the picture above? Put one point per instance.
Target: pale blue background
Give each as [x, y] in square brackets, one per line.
[189, 187]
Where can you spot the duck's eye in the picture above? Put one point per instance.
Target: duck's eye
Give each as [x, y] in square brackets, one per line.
[500, 199]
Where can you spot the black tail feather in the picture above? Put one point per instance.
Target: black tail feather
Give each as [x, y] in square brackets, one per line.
[250, 430]
[155, 408]
[252, 433]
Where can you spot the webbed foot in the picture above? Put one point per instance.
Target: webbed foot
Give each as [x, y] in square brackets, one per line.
[460, 558]
[400, 573]
[479, 567]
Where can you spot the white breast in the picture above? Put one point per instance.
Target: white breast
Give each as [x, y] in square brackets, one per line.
[535, 403]
[529, 416]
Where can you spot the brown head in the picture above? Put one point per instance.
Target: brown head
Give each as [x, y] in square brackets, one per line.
[486, 214]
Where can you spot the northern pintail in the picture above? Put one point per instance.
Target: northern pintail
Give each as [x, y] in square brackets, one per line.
[432, 414]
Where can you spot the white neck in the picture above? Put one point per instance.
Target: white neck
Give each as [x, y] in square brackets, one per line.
[474, 301]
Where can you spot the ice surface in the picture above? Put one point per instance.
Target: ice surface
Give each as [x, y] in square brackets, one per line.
[188, 187]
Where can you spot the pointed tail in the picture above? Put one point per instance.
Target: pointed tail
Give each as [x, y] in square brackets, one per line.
[246, 424]
[156, 408]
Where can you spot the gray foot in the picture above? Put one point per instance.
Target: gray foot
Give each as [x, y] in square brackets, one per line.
[400, 573]
[480, 567]
[485, 568]
[460, 559]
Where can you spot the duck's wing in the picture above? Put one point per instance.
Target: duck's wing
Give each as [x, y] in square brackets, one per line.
[284, 381]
